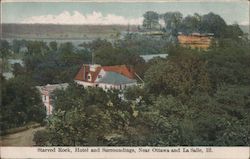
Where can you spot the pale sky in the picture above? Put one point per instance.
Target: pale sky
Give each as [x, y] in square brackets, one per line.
[115, 12]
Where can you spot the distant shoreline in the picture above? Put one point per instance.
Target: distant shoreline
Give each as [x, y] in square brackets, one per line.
[67, 24]
[64, 32]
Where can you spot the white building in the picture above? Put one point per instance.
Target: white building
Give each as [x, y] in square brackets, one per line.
[46, 92]
[106, 77]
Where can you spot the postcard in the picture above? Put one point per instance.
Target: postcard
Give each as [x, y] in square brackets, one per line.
[125, 79]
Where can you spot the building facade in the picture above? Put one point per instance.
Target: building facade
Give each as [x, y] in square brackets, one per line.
[106, 77]
[196, 40]
[46, 92]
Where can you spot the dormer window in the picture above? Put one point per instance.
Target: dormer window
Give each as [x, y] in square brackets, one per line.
[89, 77]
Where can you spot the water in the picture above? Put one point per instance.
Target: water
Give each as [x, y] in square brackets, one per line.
[151, 56]
[75, 42]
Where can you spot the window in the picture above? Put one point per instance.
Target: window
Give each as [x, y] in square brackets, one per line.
[99, 76]
[89, 77]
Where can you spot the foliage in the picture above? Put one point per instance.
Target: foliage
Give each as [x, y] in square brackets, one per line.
[108, 56]
[191, 24]
[21, 103]
[17, 45]
[143, 45]
[233, 31]
[53, 45]
[212, 23]
[217, 117]
[41, 137]
[4, 48]
[18, 69]
[189, 98]
[229, 63]
[56, 65]
[172, 21]
[151, 20]
[180, 74]
[96, 44]
[86, 120]
[37, 47]
[117, 56]
[207, 23]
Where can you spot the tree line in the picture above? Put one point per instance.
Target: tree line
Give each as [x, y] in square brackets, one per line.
[174, 22]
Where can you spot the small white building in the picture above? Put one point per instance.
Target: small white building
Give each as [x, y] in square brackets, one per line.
[46, 92]
[106, 77]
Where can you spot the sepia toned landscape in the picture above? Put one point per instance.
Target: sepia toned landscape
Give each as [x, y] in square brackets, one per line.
[162, 78]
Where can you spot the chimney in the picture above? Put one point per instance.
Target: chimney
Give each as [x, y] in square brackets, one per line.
[84, 72]
[93, 67]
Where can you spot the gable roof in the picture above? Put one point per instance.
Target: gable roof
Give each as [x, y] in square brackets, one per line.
[118, 69]
[84, 71]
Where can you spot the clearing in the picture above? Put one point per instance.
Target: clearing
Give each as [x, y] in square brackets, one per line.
[23, 138]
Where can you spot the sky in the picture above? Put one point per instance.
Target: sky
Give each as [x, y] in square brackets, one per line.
[116, 12]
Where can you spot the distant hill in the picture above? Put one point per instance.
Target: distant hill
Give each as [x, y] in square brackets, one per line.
[48, 31]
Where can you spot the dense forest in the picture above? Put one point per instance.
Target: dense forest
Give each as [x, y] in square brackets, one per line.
[192, 97]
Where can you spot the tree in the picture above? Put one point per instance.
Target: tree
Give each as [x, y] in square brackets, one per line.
[191, 24]
[53, 45]
[18, 69]
[151, 20]
[213, 23]
[37, 48]
[223, 119]
[66, 48]
[16, 45]
[4, 49]
[56, 66]
[21, 103]
[228, 63]
[95, 44]
[41, 138]
[85, 116]
[233, 31]
[116, 56]
[172, 21]
[180, 74]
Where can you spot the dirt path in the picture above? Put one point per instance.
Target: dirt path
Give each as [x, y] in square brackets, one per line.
[23, 138]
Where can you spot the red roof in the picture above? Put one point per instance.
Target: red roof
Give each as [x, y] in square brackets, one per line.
[121, 69]
[85, 68]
